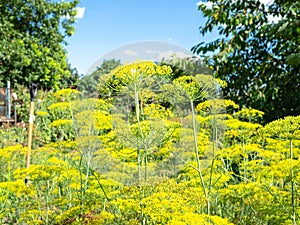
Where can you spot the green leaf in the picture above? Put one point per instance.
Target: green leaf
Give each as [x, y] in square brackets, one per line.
[294, 59]
[283, 26]
[268, 52]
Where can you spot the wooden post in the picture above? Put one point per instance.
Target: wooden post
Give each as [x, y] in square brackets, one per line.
[8, 106]
[33, 90]
[15, 99]
[15, 112]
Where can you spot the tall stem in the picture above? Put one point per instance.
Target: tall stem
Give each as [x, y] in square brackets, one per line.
[89, 158]
[82, 194]
[137, 111]
[244, 159]
[213, 156]
[197, 157]
[292, 178]
[139, 166]
[8, 169]
[47, 201]
[38, 199]
[146, 164]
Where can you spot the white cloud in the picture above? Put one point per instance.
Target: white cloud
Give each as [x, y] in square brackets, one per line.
[80, 12]
[166, 54]
[267, 2]
[182, 55]
[150, 52]
[274, 19]
[130, 52]
[208, 4]
[169, 54]
[271, 18]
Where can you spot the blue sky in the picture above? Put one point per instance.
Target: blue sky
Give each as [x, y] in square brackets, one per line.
[107, 25]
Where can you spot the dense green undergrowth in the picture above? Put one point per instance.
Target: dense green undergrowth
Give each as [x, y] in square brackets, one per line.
[150, 151]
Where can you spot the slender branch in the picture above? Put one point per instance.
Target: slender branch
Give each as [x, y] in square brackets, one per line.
[197, 156]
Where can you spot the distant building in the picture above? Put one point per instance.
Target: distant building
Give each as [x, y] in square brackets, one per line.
[2, 102]
[6, 116]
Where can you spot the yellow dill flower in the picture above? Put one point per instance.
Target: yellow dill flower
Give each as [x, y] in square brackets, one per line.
[249, 114]
[66, 94]
[222, 83]
[197, 219]
[62, 144]
[17, 187]
[236, 124]
[42, 113]
[90, 104]
[9, 151]
[60, 123]
[286, 128]
[103, 120]
[216, 105]
[59, 106]
[38, 172]
[145, 67]
[106, 216]
[73, 212]
[156, 111]
[138, 74]
[56, 161]
[126, 154]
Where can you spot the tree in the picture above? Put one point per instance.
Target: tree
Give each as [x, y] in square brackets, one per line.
[88, 84]
[257, 55]
[186, 66]
[32, 39]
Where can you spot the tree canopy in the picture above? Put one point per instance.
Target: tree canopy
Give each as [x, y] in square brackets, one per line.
[257, 52]
[88, 84]
[32, 39]
[186, 66]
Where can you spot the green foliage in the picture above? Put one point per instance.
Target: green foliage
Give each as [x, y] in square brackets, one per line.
[32, 42]
[197, 88]
[92, 164]
[255, 56]
[88, 84]
[284, 129]
[186, 66]
[138, 76]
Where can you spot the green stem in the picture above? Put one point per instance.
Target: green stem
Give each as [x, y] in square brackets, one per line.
[38, 199]
[89, 157]
[137, 112]
[197, 157]
[213, 160]
[82, 194]
[244, 159]
[137, 104]
[69, 191]
[139, 166]
[292, 180]
[8, 170]
[146, 164]
[100, 185]
[47, 202]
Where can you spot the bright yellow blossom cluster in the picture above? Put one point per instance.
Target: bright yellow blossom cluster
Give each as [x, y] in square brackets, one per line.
[61, 123]
[156, 111]
[66, 95]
